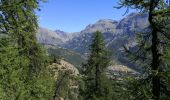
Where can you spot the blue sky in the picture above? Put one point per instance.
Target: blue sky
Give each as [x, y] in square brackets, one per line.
[75, 15]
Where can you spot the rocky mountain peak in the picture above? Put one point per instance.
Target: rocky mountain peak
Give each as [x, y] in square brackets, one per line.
[62, 33]
[105, 21]
[103, 25]
[132, 15]
[132, 22]
[49, 37]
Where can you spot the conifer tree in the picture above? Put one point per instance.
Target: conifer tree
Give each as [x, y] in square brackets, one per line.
[152, 42]
[97, 86]
[27, 63]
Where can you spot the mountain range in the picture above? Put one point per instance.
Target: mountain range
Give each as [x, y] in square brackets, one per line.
[116, 35]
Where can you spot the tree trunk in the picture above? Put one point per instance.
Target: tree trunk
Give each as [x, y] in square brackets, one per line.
[155, 67]
[97, 77]
[155, 55]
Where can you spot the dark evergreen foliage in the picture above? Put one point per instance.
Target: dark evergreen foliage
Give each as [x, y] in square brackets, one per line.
[97, 85]
[23, 62]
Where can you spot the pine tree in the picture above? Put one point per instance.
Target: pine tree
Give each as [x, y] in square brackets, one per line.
[152, 41]
[97, 86]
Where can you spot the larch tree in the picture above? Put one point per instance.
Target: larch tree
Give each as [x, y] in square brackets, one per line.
[23, 61]
[153, 41]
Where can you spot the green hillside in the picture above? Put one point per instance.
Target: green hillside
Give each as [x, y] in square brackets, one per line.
[68, 55]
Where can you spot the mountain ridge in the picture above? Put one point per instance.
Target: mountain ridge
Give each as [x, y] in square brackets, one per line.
[116, 34]
[128, 23]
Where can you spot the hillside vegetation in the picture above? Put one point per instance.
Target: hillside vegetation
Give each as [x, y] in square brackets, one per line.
[127, 59]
